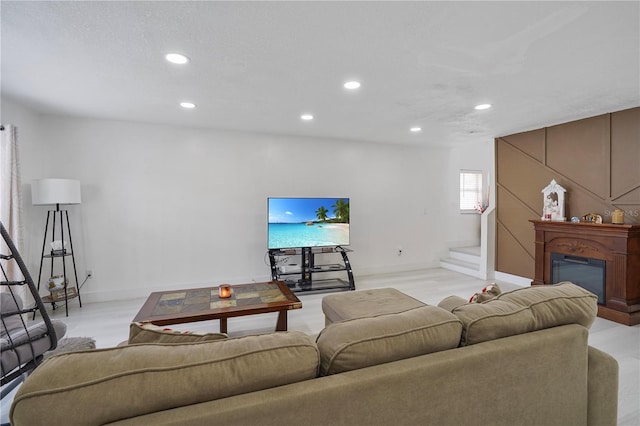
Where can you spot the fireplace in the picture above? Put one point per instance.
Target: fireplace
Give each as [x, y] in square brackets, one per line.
[603, 258]
[587, 273]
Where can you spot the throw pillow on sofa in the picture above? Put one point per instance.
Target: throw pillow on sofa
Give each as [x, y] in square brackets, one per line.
[487, 293]
[363, 342]
[523, 310]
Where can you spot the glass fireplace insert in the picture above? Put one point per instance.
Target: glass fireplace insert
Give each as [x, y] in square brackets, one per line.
[586, 272]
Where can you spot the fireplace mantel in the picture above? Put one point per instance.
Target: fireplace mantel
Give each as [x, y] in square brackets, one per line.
[617, 245]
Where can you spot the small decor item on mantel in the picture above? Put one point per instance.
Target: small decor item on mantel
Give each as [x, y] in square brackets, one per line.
[592, 218]
[617, 217]
[553, 201]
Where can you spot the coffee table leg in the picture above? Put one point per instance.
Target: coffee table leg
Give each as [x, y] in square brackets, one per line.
[223, 325]
[282, 321]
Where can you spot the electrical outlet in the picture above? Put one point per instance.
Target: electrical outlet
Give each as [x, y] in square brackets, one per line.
[89, 273]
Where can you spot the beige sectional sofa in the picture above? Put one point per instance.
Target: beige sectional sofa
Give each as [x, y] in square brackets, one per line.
[519, 359]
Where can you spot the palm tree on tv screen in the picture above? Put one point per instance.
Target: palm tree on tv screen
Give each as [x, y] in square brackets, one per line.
[321, 213]
[341, 210]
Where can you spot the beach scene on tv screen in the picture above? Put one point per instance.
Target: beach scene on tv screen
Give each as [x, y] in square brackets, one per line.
[308, 222]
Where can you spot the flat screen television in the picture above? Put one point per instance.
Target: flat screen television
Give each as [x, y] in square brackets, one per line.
[307, 222]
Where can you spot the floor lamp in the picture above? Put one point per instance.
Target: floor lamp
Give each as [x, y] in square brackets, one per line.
[55, 192]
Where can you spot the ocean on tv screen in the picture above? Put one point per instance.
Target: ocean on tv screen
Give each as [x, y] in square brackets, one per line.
[284, 235]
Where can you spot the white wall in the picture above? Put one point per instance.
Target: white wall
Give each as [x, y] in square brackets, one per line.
[167, 207]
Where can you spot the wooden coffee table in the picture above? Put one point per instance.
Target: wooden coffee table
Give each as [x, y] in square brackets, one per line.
[203, 304]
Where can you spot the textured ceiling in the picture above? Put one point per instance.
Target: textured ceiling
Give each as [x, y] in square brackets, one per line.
[256, 66]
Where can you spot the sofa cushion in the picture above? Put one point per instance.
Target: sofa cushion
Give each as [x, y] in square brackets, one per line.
[363, 342]
[145, 378]
[524, 310]
[145, 332]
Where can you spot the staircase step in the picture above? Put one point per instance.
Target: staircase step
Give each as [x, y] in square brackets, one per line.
[461, 266]
[466, 254]
[465, 260]
[460, 263]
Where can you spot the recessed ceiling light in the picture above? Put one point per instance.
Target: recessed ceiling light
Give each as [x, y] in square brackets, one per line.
[482, 106]
[187, 105]
[416, 129]
[306, 117]
[176, 58]
[352, 85]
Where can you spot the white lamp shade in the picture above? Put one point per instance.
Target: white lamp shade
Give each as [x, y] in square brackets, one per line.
[55, 191]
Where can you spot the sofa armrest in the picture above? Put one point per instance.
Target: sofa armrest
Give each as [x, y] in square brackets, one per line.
[603, 389]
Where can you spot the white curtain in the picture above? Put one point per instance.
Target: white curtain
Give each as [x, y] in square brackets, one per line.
[11, 198]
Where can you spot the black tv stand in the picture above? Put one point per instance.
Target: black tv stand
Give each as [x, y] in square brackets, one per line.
[303, 276]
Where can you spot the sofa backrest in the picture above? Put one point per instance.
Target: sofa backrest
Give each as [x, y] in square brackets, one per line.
[363, 342]
[524, 310]
[134, 380]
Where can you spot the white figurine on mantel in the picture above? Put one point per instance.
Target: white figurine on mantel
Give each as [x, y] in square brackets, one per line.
[553, 198]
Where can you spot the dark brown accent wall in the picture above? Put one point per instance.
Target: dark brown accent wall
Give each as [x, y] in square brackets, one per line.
[597, 160]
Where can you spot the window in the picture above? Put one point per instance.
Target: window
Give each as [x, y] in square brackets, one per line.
[470, 190]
